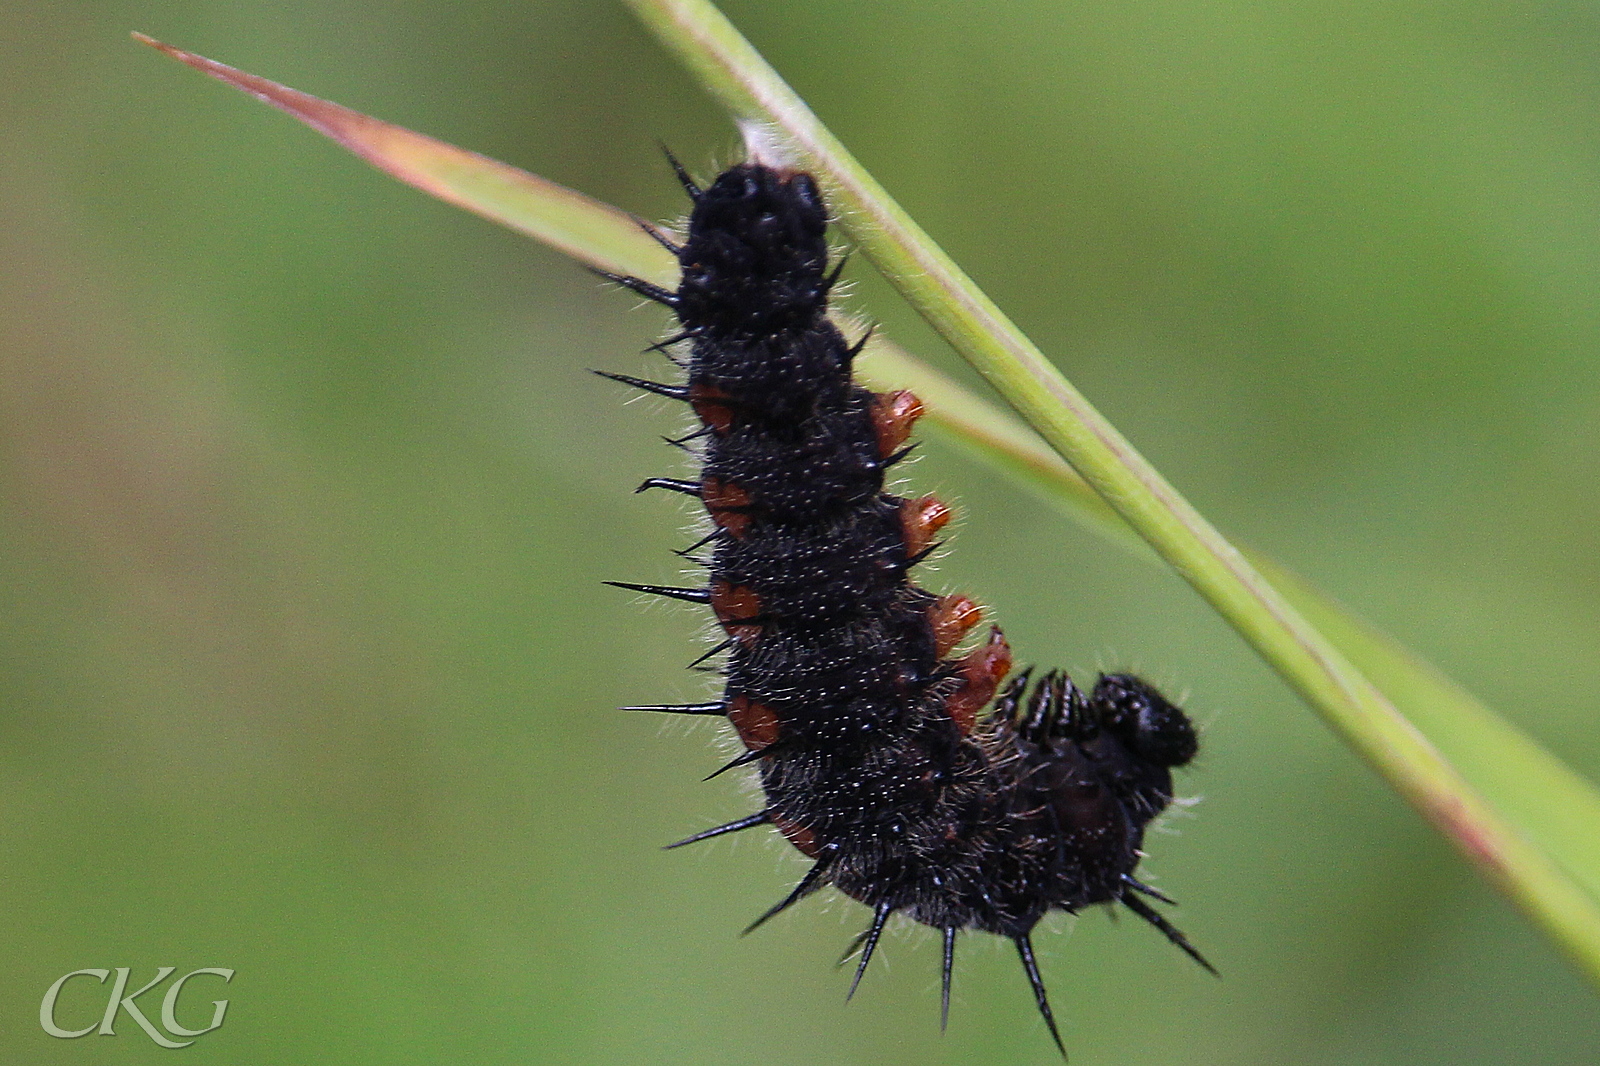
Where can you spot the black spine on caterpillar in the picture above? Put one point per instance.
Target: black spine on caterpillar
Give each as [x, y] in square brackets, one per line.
[874, 757]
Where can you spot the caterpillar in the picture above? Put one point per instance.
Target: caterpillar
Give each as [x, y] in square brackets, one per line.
[876, 755]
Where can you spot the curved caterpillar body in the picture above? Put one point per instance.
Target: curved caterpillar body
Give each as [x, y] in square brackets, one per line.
[874, 755]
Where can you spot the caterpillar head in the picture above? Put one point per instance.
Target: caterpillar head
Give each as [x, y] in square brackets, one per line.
[756, 260]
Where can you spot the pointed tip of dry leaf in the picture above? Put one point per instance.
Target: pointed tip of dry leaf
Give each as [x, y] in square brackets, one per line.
[586, 229]
[198, 62]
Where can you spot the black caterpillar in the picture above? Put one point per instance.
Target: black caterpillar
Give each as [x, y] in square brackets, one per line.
[873, 753]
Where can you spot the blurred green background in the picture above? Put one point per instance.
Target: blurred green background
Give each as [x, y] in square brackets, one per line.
[306, 500]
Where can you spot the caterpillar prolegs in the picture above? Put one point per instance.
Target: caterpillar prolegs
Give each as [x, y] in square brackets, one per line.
[917, 779]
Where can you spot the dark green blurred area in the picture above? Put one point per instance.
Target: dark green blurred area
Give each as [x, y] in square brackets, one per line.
[306, 500]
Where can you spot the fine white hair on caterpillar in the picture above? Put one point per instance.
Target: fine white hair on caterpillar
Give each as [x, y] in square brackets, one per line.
[765, 144]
